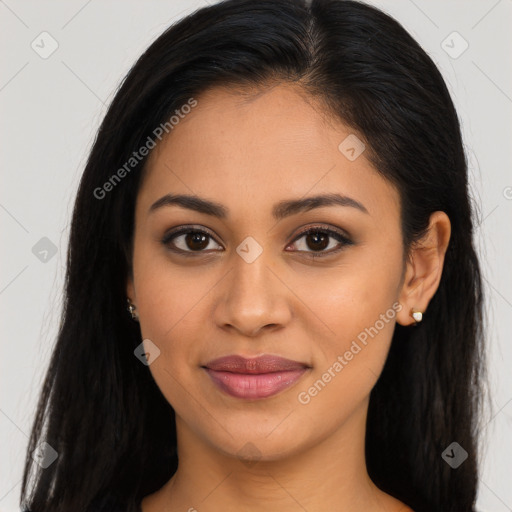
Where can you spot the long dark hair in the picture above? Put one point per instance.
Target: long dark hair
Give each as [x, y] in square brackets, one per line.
[101, 410]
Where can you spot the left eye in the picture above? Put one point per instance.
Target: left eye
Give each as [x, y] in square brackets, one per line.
[321, 239]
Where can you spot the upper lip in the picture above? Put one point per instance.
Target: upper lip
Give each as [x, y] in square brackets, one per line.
[261, 364]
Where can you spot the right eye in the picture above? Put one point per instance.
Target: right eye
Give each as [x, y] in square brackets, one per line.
[188, 240]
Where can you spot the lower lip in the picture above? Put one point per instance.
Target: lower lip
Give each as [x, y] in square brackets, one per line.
[253, 386]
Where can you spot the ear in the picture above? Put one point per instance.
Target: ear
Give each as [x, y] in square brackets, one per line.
[130, 289]
[424, 268]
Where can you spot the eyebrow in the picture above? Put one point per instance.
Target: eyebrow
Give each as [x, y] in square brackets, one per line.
[280, 210]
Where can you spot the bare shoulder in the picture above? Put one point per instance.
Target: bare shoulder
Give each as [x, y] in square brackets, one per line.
[151, 503]
[402, 507]
[392, 504]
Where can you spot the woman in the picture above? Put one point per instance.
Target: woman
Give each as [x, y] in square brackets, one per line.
[273, 300]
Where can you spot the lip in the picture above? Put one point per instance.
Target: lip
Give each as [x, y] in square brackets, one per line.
[254, 378]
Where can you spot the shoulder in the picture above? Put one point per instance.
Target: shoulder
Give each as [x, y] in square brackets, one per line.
[404, 508]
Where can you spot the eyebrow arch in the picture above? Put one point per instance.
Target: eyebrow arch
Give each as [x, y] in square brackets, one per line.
[279, 211]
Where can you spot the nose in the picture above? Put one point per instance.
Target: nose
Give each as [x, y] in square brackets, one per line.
[252, 298]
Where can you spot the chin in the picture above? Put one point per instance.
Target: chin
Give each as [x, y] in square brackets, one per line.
[251, 447]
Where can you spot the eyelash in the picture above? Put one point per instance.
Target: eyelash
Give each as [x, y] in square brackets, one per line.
[311, 254]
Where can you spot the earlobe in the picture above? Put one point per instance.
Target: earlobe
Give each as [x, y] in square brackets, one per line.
[130, 299]
[424, 269]
[130, 289]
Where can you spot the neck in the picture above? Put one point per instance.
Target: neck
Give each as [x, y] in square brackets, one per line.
[331, 475]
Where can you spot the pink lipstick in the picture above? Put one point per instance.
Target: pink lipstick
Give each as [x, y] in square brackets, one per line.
[255, 378]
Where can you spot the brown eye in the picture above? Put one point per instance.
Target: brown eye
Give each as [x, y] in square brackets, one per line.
[196, 241]
[317, 240]
[188, 240]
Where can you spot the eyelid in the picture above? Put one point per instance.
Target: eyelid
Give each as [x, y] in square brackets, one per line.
[323, 228]
[183, 230]
[341, 236]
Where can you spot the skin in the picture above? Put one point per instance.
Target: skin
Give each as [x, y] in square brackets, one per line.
[248, 153]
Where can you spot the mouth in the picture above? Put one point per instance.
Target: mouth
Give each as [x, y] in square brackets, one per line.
[254, 378]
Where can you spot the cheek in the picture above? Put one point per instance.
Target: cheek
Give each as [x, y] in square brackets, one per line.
[172, 304]
[172, 308]
[349, 361]
[352, 296]
[170, 321]
[358, 303]
[168, 295]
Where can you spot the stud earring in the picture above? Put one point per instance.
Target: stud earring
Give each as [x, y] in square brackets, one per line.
[131, 308]
[417, 315]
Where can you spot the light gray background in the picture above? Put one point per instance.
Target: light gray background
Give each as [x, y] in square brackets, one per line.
[51, 109]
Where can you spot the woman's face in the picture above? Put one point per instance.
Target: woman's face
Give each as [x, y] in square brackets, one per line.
[250, 285]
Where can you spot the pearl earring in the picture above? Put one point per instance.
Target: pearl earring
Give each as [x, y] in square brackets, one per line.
[131, 308]
[416, 314]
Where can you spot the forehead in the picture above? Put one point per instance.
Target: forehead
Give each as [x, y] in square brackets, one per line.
[257, 147]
